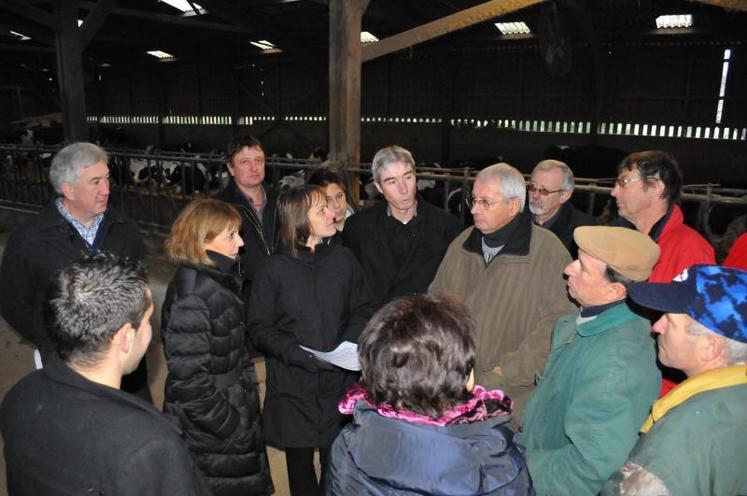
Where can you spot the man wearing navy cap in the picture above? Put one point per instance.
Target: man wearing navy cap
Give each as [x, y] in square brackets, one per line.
[695, 439]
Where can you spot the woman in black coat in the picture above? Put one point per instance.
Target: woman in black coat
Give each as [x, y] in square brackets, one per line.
[313, 294]
[211, 385]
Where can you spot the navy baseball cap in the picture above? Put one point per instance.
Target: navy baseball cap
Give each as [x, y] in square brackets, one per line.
[714, 296]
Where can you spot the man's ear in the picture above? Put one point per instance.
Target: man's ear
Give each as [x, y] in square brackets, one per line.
[229, 166]
[378, 187]
[659, 187]
[565, 196]
[616, 291]
[711, 348]
[67, 190]
[514, 205]
[124, 337]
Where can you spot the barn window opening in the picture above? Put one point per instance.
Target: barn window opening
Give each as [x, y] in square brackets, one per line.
[722, 88]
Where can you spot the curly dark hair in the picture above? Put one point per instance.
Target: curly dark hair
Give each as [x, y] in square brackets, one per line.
[417, 354]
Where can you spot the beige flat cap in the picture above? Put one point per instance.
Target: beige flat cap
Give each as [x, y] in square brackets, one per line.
[627, 251]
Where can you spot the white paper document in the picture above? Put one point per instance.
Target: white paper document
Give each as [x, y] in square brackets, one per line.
[344, 356]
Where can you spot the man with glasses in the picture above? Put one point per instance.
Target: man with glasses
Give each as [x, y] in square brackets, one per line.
[549, 191]
[509, 272]
[647, 189]
[399, 242]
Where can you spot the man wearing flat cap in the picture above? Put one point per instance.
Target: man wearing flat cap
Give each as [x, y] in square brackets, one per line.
[694, 442]
[601, 376]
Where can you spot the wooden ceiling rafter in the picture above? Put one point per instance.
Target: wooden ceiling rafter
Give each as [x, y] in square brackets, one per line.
[444, 25]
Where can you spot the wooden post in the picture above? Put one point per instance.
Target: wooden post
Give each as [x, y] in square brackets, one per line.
[345, 82]
[70, 72]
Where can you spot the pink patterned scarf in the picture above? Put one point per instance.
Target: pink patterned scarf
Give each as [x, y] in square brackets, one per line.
[483, 404]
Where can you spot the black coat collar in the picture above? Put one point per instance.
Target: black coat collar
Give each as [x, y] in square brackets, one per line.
[517, 245]
[60, 372]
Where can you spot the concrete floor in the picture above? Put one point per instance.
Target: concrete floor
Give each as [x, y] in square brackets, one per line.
[16, 360]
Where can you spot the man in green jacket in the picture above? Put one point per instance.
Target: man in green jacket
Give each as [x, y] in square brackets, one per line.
[694, 442]
[601, 376]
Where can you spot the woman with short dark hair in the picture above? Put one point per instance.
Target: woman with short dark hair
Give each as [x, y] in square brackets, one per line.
[211, 387]
[309, 293]
[420, 425]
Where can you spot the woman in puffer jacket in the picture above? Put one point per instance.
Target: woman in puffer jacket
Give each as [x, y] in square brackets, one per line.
[420, 424]
[211, 387]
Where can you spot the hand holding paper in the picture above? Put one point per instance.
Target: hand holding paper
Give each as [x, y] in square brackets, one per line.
[344, 356]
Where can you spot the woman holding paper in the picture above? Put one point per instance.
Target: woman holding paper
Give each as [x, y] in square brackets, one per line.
[310, 294]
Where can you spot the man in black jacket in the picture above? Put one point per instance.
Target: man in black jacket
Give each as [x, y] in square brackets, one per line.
[550, 190]
[400, 242]
[256, 202]
[78, 222]
[67, 428]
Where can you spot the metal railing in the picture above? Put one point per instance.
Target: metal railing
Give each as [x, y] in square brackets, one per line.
[145, 187]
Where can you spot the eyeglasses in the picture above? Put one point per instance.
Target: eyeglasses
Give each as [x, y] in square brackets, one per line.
[542, 191]
[473, 201]
[623, 182]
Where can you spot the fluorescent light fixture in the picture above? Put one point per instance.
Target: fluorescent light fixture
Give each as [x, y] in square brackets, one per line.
[20, 36]
[159, 54]
[263, 44]
[182, 5]
[519, 27]
[674, 21]
[367, 37]
[80, 21]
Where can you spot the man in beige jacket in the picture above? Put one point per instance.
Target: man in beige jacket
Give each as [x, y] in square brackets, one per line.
[509, 272]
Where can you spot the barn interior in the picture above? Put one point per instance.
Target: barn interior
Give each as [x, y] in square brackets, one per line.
[444, 81]
[460, 83]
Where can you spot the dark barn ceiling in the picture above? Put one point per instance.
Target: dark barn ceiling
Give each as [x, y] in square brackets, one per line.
[300, 27]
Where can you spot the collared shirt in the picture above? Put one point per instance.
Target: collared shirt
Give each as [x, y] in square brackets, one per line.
[258, 209]
[87, 233]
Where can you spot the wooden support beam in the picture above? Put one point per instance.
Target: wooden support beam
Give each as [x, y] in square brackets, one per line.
[70, 73]
[94, 20]
[727, 4]
[345, 81]
[22, 8]
[445, 25]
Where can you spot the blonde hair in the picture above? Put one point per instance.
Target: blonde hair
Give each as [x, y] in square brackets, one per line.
[200, 222]
[293, 212]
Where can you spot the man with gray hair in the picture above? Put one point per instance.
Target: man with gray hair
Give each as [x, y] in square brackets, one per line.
[67, 428]
[399, 242]
[549, 191]
[78, 222]
[509, 272]
[694, 441]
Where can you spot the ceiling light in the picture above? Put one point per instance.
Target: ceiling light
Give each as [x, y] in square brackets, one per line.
[513, 27]
[263, 44]
[674, 21]
[160, 54]
[182, 5]
[367, 37]
[20, 36]
[80, 22]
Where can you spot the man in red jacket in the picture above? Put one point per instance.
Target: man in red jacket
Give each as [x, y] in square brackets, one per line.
[647, 189]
